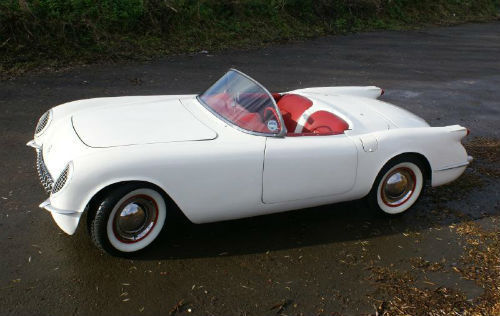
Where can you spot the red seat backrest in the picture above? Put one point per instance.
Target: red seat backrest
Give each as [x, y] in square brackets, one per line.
[324, 123]
[292, 106]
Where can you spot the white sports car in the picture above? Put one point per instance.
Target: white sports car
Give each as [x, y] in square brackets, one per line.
[234, 151]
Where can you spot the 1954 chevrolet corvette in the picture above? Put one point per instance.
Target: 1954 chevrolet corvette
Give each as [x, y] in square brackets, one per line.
[234, 151]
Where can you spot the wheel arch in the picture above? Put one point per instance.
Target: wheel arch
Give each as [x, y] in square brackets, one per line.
[420, 157]
[92, 204]
[374, 199]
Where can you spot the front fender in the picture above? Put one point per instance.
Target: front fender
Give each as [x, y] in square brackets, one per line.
[97, 170]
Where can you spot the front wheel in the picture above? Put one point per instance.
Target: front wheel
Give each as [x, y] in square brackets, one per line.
[128, 219]
[398, 186]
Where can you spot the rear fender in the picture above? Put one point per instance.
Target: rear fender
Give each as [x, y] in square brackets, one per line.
[441, 147]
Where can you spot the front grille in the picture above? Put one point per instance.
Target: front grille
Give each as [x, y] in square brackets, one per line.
[42, 122]
[61, 181]
[43, 173]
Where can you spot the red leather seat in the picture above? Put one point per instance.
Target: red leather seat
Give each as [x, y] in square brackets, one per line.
[224, 105]
[252, 121]
[292, 106]
[321, 122]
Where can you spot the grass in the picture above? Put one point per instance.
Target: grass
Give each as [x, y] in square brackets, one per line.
[54, 33]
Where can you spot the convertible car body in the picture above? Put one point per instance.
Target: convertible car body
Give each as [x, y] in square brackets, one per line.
[234, 151]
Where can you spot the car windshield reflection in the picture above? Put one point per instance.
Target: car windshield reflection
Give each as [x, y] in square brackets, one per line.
[244, 103]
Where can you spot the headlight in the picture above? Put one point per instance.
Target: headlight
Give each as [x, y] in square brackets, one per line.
[63, 178]
[43, 122]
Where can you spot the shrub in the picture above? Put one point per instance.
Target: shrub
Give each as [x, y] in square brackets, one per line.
[65, 30]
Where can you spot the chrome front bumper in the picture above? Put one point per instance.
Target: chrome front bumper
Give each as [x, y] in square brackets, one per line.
[47, 206]
[32, 143]
[66, 220]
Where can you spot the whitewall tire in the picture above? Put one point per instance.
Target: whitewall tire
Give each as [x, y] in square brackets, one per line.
[398, 186]
[128, 219]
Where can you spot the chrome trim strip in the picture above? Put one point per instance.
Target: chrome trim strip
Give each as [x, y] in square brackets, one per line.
[283, 131]
[47, 206]
[456, 166]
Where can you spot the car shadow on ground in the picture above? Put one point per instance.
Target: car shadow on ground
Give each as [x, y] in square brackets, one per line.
[308, 227]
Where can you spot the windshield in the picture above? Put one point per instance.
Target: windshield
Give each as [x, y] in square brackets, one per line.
[243, 102]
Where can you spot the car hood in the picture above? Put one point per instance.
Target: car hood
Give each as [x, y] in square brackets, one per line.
[122, 121]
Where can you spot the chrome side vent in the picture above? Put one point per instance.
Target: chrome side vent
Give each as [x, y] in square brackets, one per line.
[42, 122]
[61, 181]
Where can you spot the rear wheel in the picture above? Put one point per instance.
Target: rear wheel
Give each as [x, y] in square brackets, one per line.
[128, 219]
[398, 186]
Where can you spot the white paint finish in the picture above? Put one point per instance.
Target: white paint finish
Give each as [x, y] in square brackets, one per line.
[446, 176]
[308, 167]
[84, 105]
[223, 178]
[60, 146]
[396, 115]
[67, 222]
[359, 113]
[366, 92]
[369, 142]
[366, 115]
[318, 106]
[438, 145]
[203, 178]
[357, 100]
[139, 123]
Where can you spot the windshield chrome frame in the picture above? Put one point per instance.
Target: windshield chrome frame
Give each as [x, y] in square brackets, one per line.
[283, 131]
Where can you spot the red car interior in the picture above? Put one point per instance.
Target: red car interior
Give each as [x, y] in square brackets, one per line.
[276, 96]
[324, 123]
[225, 106]
[293, 106]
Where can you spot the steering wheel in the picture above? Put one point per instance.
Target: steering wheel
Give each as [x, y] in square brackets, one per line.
[271, 119]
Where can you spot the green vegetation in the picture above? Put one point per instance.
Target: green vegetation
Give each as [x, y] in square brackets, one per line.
[36, 33]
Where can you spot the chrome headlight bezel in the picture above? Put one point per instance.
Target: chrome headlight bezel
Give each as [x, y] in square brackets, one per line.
[63, 179]
[43, 123]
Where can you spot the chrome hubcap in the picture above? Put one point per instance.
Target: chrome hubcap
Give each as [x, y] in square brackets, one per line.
[135, 218]
[398, 186]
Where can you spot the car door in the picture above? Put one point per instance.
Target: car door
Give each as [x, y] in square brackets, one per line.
[305, 167]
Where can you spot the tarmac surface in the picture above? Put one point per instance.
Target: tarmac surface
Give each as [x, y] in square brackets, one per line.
[311, 261]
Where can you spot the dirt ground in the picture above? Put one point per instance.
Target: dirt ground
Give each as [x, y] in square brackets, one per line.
[441, 258]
